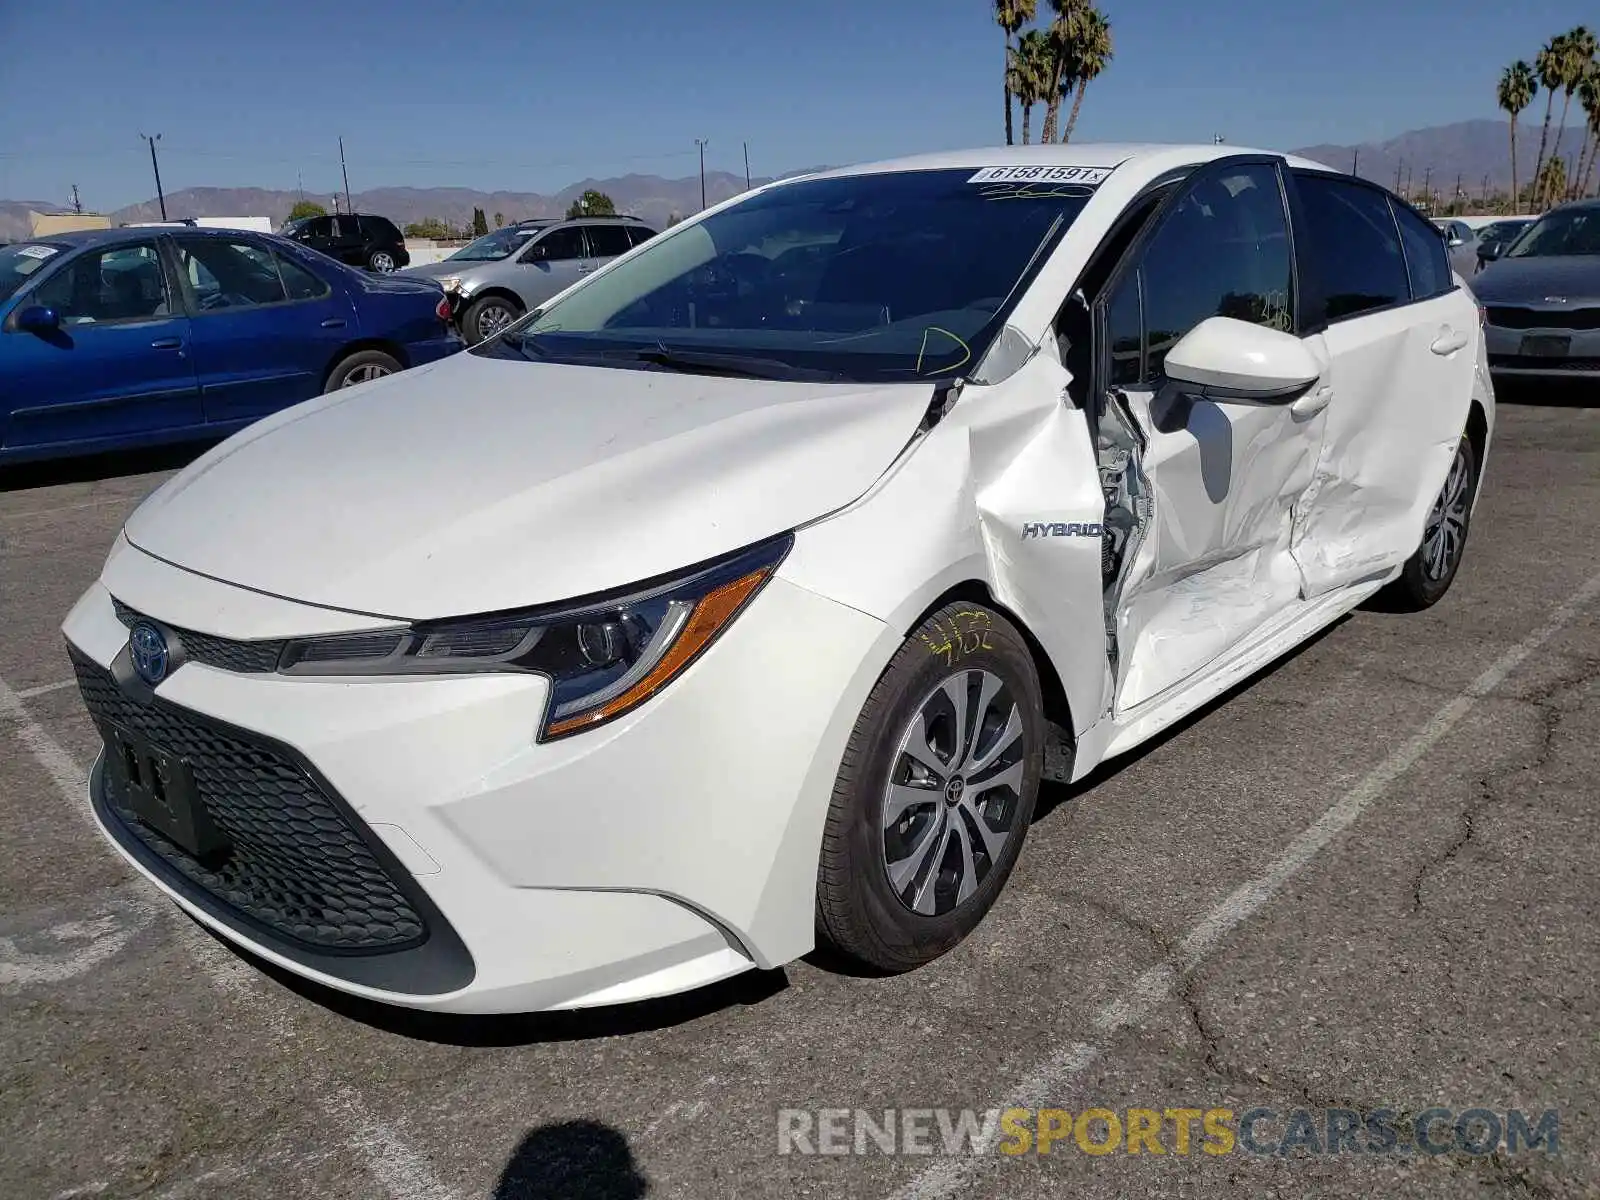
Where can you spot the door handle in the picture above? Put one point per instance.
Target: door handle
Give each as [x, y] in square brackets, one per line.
[583, 269]
[1448, 342]
[334, 323]
[1312, 403]
[167, 343]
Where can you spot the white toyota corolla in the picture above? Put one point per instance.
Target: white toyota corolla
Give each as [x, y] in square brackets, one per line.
[740, 597]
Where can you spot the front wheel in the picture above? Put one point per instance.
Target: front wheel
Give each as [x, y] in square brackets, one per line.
[934, 794]
[1429, 572]
[486, 317]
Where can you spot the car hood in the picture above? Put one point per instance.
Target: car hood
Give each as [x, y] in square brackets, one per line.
[438, 270]
[479, 484]
[1535, 280]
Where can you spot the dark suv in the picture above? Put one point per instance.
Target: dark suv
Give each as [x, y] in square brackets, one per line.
[354, 238]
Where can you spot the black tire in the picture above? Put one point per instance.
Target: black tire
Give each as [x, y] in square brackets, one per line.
[1424, 581]
[383, 262]
[361, 367]
[472, 320]
[860, 913]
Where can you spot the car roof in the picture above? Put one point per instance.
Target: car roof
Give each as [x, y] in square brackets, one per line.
[1155, 156]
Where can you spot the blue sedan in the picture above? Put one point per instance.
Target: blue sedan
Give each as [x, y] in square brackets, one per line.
[128, 337]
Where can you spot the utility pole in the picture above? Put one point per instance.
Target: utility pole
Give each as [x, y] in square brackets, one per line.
[1485, 200]
[1427, 187]
[77, 205]
[300, 185]
[346, 174]
[1355, 162]
[1399, 167]
[747, 166]
[701, 142]
[161, 196]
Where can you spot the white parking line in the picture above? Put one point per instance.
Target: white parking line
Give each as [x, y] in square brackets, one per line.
[948, 1176]
[43, 688]
[50, 512]
[402, 1170]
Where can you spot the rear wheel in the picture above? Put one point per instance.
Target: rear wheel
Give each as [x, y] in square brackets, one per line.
[361, 367]
[487, 316]
[381, 261]
[1429, 572]
[935, 792]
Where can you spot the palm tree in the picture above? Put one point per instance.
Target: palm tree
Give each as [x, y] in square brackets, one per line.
[1064, 33]
[1090, 56]
[1577, 52]
[1517, 90]
[1550, 66]
[1589, 98]
[1028, 74]
[1012, 15]
[1553, 180]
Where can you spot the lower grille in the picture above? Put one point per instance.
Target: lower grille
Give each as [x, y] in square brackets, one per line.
[1511, 317]
[296, 865]
[225, 654]
[1534, 362]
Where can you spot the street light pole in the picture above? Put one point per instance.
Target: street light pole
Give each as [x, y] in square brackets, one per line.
[747, 166]
[348, 207]
[156, 167]
[701, 142]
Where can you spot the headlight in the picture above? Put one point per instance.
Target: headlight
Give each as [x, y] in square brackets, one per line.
[451, 283]
[603, 656]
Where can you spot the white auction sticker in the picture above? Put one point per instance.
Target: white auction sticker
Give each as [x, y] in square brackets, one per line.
[1088, 176]
[37, 251]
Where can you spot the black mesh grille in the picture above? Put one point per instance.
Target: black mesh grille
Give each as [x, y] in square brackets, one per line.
[222, 653]
[1511, 317]
[1534, 362]
[296, 865]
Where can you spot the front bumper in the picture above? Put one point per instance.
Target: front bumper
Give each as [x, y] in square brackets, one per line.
[674, 847]
[1580, 361]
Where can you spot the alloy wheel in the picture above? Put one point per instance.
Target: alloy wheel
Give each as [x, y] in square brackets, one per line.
[383, 262]
[951, 800]
[1445, 533]
[365, 373]
[492, 319]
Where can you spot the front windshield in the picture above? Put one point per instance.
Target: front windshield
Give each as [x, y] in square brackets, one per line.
[493, 246]
[1576, 231]
[19, 263]
[876, 277]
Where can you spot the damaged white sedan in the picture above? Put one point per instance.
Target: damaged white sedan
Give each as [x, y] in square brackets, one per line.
[741, 597]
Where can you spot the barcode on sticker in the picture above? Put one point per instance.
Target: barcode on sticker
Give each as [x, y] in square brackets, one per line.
[1089, 176]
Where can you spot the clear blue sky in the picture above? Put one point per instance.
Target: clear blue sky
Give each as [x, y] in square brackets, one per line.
[535, 96]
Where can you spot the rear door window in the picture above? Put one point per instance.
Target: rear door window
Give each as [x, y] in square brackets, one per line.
[1427, 260]
[1352, 248]
[608, 241]
[557, 246]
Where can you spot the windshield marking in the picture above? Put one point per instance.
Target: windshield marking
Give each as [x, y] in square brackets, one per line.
[37, 251]
[1089, 176]
[966, 350]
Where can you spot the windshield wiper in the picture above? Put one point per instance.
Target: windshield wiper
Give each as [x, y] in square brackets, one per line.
[712, 362]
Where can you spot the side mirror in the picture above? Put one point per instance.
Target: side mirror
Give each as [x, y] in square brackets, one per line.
[36, 318]
[1454, 240]
[1490, 251]
[1226, 359]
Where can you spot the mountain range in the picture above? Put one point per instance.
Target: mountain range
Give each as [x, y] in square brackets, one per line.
[1471, 151]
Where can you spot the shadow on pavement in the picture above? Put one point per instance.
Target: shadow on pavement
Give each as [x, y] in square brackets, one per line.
[571, 1160]
[1555, 393]
[91, 468]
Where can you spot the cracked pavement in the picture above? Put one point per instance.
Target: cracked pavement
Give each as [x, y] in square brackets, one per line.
[1442, 950]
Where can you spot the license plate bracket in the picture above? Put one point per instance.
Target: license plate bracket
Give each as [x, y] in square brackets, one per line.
[1546, 345]
[159, 788]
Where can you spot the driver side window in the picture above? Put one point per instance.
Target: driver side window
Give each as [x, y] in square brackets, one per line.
[1223, 251]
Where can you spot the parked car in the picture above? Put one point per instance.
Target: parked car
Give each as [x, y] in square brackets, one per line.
[355, 239]
[495, 279]
[121, 337]
[744, 593]
[1542, 298]
[1494, 240]
[1461, 240]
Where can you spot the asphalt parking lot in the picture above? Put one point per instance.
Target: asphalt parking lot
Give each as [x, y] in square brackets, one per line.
[1366, 880]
